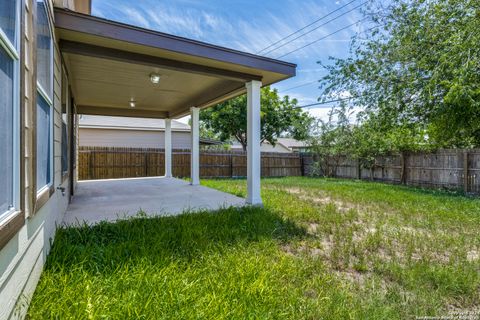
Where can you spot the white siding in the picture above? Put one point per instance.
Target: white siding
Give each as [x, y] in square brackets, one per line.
[266, 147]
[22, 259]
[132, 138]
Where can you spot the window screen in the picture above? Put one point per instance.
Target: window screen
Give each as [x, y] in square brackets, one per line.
[44, 106]
[6, 130]
[8, 21]
[44, 50]
[43, 142]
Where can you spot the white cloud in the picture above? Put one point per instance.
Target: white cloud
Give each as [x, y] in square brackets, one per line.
[243, 33]
[323, 113]
[344, 94]
[319, 113]
[212, 21]
[302, 98]
[137, 18]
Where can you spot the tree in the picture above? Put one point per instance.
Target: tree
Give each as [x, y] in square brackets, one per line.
[279, 116]
[365, 141]
[418, 68]
[332, 140]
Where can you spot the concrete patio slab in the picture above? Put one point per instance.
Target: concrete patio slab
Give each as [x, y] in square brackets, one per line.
[110, 200]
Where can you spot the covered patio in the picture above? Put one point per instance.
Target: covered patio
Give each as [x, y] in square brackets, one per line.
[109, 200]
[116, 69]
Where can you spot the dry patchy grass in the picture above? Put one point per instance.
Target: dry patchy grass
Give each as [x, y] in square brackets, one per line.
[320, 249]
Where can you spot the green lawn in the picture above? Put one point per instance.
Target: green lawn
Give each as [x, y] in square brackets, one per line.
[320, 249]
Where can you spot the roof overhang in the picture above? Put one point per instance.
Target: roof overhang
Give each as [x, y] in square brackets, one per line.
[86, 126]
[109, 64]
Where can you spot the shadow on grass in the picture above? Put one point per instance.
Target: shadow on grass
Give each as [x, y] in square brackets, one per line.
[105, 246]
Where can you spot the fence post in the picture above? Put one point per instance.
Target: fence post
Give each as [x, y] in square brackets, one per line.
[231, 165]
[302, 164]
[465, 171]
[403, 177]
[359, 170]
[146, 163]
[90, 164]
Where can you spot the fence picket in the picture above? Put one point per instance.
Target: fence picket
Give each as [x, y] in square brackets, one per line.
[107, 163]
[448, 169]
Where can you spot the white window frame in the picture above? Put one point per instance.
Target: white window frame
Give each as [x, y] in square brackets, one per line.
[42, 92]
[13, 50]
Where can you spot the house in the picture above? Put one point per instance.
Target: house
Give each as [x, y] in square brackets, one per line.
[101, 131]
[58, 62]
[129, 132]
[294, 145]
[283, 145]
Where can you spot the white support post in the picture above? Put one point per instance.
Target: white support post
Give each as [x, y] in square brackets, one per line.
[168, 148]
[195, 159]
[253, 143]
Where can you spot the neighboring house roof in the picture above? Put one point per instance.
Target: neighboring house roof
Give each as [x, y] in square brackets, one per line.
[292, 143]
[287, 144]
[126, 123]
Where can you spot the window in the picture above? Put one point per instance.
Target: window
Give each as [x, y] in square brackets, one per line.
[6, 130]
[43, 143]
[9, 108]
[8, 21]
[44, 51]
[44, 99]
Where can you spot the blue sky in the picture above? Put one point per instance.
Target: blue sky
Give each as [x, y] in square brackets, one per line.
[250, 26]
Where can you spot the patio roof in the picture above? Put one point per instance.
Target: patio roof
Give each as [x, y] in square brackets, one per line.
[109, 64]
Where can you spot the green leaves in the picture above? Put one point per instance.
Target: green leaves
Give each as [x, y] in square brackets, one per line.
[279, 116]
[338, 138]
[419, 67]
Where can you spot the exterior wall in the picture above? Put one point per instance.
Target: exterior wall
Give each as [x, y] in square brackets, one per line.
[132, 138]
[266, 147]
[22, 259]
[68, 4]
[83, 6]
[301, 149]
[23, 256]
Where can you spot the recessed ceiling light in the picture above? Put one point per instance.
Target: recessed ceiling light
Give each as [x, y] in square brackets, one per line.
[154, 78]
[132, 104]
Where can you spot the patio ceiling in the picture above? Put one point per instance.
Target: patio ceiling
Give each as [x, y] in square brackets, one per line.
[109, 64]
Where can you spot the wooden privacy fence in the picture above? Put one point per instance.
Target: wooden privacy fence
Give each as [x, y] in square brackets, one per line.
[446, 169]
[111, 162]
[453, 169]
